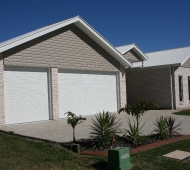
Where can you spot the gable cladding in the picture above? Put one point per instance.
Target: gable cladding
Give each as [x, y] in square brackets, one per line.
[67, 48]
[187, 63]
[132, 56]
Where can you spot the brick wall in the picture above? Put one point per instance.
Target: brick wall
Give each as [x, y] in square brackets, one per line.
[149, 84]
[2, 107]
[122, 87]
[184, 72]
[54, 93]
[132, 56]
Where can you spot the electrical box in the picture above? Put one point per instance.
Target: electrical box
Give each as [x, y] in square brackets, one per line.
[119, 159]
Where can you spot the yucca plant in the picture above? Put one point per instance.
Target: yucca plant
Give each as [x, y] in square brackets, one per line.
[134, 132]
[161, 128]
[104, 127]
[172, 128]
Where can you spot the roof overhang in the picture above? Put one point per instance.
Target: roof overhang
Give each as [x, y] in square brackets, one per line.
[137, 50]
[81, 24]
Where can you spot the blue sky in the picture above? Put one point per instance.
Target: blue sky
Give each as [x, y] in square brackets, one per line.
[152, 24]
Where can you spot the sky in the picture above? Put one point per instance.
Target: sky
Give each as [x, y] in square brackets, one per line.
[152, 25]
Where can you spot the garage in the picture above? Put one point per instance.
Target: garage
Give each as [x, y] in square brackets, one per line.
[26, 95]
[87, 92]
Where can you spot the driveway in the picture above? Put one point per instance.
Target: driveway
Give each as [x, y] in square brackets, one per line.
[60, 131]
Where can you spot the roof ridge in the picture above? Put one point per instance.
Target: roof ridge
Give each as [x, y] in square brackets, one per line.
[167, 49]
[125, 45]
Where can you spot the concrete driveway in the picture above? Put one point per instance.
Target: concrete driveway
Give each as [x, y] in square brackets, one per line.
[60, 131]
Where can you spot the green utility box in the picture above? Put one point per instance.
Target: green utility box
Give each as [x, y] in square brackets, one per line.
[119, 159]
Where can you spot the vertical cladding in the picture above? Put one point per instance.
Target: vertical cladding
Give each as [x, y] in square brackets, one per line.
[149, 84]
[122, 87]
[54, 93]
[184, 72]
[2, 107]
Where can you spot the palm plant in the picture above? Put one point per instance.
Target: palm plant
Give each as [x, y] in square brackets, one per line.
[104, 127]
[172, 128]
[74, 120]
[161, 128]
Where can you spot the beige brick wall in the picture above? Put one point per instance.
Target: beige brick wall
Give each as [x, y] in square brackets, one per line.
[54, 93]
[149, 84]
[2, 107]
[122, 87]
[185, 72]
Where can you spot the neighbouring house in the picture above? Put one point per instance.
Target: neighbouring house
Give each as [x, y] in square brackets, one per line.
[67, 66]
[163, 78]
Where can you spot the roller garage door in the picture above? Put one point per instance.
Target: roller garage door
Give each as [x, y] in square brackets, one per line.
[86, 93]
[26, 95]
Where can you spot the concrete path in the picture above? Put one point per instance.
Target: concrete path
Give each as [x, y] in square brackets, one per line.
[60, 131]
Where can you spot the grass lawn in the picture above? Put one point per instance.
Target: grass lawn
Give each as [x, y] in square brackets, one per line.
[183, 112]
[20, 153]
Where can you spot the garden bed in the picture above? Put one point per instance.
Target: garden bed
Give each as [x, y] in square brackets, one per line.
[86, 144]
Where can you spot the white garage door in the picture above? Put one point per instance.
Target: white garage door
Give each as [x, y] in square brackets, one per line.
[86, 93]
[26, 95]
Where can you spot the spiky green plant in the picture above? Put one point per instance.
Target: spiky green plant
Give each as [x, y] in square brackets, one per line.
[173, 128]
[134, 132]
[161, 128]
[74, 120]
[104, 127]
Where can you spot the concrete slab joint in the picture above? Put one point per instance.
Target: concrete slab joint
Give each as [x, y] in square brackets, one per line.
[54, 93]
[2, 106]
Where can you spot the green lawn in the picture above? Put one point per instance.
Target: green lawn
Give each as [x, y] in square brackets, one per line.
[20, 153]
[183, 112]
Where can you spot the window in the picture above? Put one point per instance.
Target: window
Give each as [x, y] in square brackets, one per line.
[180, 88]
[189, 86]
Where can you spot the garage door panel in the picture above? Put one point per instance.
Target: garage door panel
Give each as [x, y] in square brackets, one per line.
[26, 95]
[87, 93]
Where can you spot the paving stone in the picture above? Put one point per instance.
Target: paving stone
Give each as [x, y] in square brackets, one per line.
[177, 154]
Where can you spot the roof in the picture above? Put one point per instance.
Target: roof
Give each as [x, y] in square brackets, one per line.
[176, 56]
[125, 48]
[81, 24]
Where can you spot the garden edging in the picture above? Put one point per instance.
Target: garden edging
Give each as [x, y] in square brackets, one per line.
[138, 149]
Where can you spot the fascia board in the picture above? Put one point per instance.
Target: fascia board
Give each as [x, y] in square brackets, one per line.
[37, 34]
[185, 60]
[94, 35]
[152, 67]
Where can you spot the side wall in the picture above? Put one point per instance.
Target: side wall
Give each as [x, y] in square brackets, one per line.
[149, 84]
[2, 106]
[185, 72]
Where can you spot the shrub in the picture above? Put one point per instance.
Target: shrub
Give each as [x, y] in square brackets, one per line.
[74, 120]
[172, 128]
[139, 109]
[104, 127]
[161, 128]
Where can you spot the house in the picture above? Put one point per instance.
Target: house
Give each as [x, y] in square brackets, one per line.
[163, 78]
[67, 66]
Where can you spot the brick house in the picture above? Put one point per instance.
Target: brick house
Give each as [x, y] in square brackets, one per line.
[67, 66]
[163, 78]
